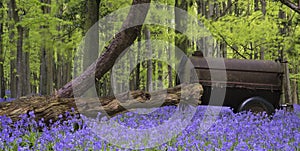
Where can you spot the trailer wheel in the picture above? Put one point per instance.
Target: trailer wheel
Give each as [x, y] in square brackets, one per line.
[257, 105]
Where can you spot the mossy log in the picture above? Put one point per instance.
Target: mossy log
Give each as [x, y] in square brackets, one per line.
[51, 107]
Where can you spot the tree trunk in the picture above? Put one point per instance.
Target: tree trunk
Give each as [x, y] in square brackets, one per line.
[229, 4]
[286, 84]
[105, 62]
[91, 47]
[294, 91]
[2, 81]
[91, 41]
[295, 85]
[51, 108]
[160, 72]
[291, 5]
[170, 75]
[49, 69]
[43, 72]
[132, 76]
[264, 11]
[263, 7]
[149, 84]
[26, 85]
[138, 66]
[46, 67]
[236, 8]
[13, 63]
[20, 63]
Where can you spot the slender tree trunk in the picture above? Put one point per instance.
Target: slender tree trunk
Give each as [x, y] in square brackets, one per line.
[67, 67]
[13, 62]
[91, 47]
[223, 49]
[59, 71]
[211, 9]
[138, 66]
[287, 85]
[160, 72]
[49, 69]
[256, 5]
[170, 75]
[217, 7]
[149, 86]
[46, 68]
[91, 42]
[264, 11]
[295, 86]
[20, 64]
[132, 80]
[2, 80]
[263, 7]
[43, 72]
[236, 8]
[295, 91]
[229, 4]
[26, 85]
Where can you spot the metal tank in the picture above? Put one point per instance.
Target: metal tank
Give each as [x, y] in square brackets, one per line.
[250, 84]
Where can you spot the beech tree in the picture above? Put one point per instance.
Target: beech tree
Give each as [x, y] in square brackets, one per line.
[106, 61]
[2, 83]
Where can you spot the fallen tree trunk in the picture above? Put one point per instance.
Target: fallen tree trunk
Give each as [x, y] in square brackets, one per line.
[51, 107]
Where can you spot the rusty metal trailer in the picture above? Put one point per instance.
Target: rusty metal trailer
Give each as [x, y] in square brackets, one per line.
[249, 84]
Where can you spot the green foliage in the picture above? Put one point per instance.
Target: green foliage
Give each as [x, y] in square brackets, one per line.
[246, 31]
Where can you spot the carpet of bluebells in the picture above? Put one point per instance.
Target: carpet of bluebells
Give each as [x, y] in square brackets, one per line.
[242, 131]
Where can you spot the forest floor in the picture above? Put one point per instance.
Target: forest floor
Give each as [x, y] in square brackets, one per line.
[210, 128]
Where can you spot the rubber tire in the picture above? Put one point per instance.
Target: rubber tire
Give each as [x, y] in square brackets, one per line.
[257, 105]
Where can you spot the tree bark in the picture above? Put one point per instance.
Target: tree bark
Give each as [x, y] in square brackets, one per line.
[13, 62]
[26, 58]
[294, 91]
[105, 62]
[263, 7]
[19, 61]
[138, 66]
[51, 108]
[287, 84]
[91, 47]
[149, 84]
[291, 5]
[264, 11]
[46, 67]
[2, 81]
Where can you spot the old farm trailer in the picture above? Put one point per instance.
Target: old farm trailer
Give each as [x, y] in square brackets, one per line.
[250, 84]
